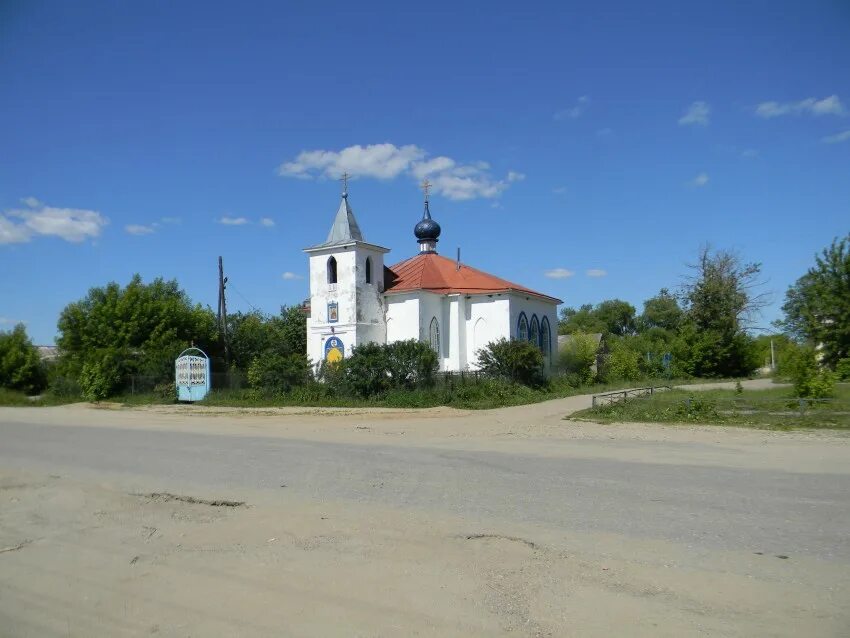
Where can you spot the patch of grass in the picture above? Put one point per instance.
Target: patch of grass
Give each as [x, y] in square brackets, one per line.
[468, 395]
[13, 398]
[773, 409]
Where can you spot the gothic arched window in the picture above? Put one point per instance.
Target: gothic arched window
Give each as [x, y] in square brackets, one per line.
[522, 327]
[545, 338]
[534, 335]
[368, 270]
[332, 270]
[434, 336]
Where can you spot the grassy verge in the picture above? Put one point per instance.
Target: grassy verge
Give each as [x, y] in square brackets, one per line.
[481, 395]
[468, 395]
[772, 409]
[13, 398]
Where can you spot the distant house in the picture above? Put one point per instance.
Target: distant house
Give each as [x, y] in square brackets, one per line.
[48, 353]
[565, 341]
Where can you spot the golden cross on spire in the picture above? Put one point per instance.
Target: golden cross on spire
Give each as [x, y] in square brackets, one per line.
[344, 180]
[426, 188]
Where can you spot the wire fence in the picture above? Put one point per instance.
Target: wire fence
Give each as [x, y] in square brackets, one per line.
[145, 384]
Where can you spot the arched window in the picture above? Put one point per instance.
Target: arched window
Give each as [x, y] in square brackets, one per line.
[434, 336]
[545, 338]
[368, 270]
[332, 270]
[534, 335]
[522, 327]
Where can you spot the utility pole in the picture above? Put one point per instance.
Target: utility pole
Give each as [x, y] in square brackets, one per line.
[222, 311]
[772, 357]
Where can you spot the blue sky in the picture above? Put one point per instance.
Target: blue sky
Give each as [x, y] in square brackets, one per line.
[583, 149]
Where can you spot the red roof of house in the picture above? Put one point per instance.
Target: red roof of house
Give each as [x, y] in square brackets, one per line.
[440, 275]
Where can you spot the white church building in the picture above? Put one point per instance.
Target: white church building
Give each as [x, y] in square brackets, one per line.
[457, 309]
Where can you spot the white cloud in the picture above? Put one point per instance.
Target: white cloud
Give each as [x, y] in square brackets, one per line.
[268, 222]
[843, 136]
[289, 276]
[170, 220]
[699, 181]
[233, 221]
[71, 224]
[749, 153]
[32, 202]
[697, 113]
[596, 272]
[448, 177]
[559, 190]
[573, 111]
[827, 106]
[5, 321]
[12, 233]
[381, 161]
[559, 273]
[138, 229]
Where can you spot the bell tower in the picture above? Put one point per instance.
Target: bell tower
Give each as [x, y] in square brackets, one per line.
[346, 289]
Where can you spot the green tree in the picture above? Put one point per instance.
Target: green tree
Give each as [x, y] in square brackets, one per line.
[613, 316]
[138, 329]
[20, 365]
[617, 317]
[661, 312]
[578, 358]
[515, 360]
[622, 362]
[253, 334]
[817, 306]
[719, 303]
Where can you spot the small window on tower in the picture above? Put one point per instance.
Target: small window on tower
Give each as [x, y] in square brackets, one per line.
[332, 270]
[368, 270]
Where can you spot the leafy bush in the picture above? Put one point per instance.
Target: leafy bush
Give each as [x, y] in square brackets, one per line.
[621, 363]
[578, 359]
[64, 386]
[20, 365]
[166, 391]
[515, 360]
[100, 376]
[696, 408]
[842, 369]
[410, 363]
[809, 379]
[277, 373]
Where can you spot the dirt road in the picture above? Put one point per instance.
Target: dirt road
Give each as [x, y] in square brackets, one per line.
[199, 522]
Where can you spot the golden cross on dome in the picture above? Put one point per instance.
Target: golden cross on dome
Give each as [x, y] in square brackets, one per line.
[426, 188]
[344, 180]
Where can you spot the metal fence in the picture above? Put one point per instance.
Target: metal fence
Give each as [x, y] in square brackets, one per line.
[617, 396]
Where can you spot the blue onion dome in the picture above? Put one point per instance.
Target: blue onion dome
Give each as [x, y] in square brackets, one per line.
[427, 229]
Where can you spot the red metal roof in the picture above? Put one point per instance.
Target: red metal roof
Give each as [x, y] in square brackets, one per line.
[440, 275]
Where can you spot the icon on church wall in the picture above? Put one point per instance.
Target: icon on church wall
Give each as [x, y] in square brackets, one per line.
[333, 312]
[334, 350]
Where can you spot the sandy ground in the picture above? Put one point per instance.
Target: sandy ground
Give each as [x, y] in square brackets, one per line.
[88, 553]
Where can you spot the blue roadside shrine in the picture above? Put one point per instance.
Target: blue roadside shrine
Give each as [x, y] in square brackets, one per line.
[192, 375]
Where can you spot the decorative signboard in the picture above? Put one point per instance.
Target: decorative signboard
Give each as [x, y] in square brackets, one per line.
[192, 375]
[334, 350]
[333, 312]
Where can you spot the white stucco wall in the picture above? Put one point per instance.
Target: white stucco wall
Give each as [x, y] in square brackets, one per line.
[487, 319]
[402, 317]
